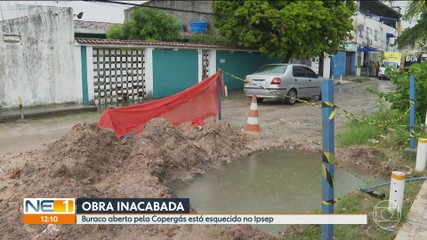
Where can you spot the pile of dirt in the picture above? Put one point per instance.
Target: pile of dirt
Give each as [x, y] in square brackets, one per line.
[361, 155]
[85, 150]
[245, 232]
[180, 153]
[93, 162]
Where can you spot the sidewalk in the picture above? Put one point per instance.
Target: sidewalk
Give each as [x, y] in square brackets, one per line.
[43, 111]
[415, 227]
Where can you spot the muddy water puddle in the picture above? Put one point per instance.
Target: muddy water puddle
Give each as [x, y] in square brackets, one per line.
[273, 181]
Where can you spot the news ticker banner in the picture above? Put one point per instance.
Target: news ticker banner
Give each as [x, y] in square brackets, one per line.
[157, 211]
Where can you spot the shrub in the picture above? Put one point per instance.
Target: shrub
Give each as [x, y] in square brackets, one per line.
[211, 38]
[400, 98]
[115, 32]
[148, 24]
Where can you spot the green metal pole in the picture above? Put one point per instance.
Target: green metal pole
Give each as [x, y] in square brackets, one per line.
[85, 91]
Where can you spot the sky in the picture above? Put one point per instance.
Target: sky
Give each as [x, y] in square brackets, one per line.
[92, 11]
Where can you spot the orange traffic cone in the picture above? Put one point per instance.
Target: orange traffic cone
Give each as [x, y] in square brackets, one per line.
[252, 125]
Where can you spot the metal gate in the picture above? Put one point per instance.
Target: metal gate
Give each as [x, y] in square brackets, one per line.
[118, 76]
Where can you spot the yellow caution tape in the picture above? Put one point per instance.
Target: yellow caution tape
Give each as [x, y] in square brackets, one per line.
[346, 114]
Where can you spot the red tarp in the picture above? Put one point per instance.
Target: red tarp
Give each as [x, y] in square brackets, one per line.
[195, 103]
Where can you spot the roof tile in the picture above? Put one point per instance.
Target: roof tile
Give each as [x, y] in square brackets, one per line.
[98, 41]
[80, 24]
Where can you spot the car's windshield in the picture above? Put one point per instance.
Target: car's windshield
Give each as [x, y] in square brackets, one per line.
[389, 65]
[272, 69]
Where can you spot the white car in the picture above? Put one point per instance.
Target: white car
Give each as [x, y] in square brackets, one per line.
[293, 80]
[384, 65]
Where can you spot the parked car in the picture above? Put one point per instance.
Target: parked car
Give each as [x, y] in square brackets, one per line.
[387, 64]
[294, 80]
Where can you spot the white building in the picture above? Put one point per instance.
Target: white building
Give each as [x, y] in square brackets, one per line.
[377, 27]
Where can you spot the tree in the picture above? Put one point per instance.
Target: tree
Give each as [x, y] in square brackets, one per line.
[115, 32]
[212, 37]
[413, 41]
[415, 8]
[399, 98]
[286, 28]
[147, 24]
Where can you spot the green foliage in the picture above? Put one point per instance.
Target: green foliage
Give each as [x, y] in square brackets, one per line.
[356, 133]
[400, 97]
[212, 38]
[415, 8]
[413, 40]
[286, 28]
[394, 134]
[362, 133]
[115, 32]
[411, 37]
[148, 24]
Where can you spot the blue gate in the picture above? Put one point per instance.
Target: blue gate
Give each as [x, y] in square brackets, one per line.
[338, 64]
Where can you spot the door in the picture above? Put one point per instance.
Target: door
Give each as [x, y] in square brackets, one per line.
[313, 88]
[348, 64]
[338, 64]
[300, 81]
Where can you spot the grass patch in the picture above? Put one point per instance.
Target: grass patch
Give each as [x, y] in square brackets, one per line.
[358, 202]
[361, 79]
[373, 131]
[356, 133]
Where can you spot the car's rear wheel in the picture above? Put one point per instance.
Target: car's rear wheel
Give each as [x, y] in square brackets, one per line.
[259, 99]
[292, 97]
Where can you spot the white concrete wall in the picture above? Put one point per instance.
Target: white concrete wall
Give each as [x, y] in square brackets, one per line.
[37, 60]
[199, 65]
[78, 72]
[212, 62]
[149, 85]
[327, 66]
[89, 67]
